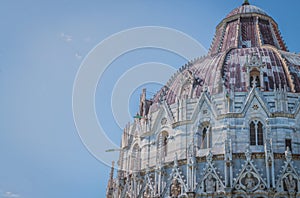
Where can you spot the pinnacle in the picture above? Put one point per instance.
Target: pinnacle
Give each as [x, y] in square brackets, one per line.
[246, 2]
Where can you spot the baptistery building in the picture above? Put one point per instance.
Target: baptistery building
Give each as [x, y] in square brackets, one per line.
[225, 125]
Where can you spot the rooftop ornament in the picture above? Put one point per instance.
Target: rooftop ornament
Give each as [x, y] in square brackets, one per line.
[246, 2]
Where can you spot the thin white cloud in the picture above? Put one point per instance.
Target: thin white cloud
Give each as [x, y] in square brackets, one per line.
[10, 195]
[67, 38]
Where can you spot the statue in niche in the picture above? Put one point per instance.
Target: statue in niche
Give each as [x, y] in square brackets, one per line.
[175, 189]
[210, 184]
[290, 184]
[249, 181]
[147, 192]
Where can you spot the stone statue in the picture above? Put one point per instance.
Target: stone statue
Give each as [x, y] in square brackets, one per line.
[175, 189]
[290, 184]
[210, 184]
[249, 181]
[147, 192]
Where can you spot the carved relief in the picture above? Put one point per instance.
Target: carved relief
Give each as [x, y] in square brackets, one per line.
[290, 184]
[255, 107]
[175, 188]
[249, 182]
[249, 179]
[210, 184]
[289, 179]
[163, 121]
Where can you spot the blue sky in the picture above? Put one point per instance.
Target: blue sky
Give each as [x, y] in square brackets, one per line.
[42, 47]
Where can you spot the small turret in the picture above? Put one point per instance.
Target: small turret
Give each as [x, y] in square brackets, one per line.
[110, 185]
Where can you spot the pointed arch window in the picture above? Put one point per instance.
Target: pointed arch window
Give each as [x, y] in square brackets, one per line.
[256, 133]
[135, 158]
[162, 145]
[204, 136]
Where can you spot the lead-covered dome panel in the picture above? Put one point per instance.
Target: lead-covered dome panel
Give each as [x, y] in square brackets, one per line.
[246, 9]
[271, 71]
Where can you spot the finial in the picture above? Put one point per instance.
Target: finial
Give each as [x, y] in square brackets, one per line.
[176, 160]
[248, 153]
[112, 170]
[288, 154]
[246, 2]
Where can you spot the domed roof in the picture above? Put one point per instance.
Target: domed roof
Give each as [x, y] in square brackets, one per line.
[247, 51]
[229, 71]
[244, 9]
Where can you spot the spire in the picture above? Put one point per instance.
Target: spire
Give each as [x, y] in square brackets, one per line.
[111, 176]
[246, 2]
[110, 187]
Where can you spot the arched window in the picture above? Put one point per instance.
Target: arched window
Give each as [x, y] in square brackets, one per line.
[254, 78]
[256, 133]
[205, 138]
[162, 145]
[288, 143]
[135, 158]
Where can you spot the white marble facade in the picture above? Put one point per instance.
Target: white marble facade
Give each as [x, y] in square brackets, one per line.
[224, 143]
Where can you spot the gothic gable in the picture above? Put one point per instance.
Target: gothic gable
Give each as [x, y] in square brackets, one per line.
[176, 183]
[204, 107]
[210, 181]
[148, 187]
[254, 103]
[288, 180]
[249, 179]
[163, 119]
